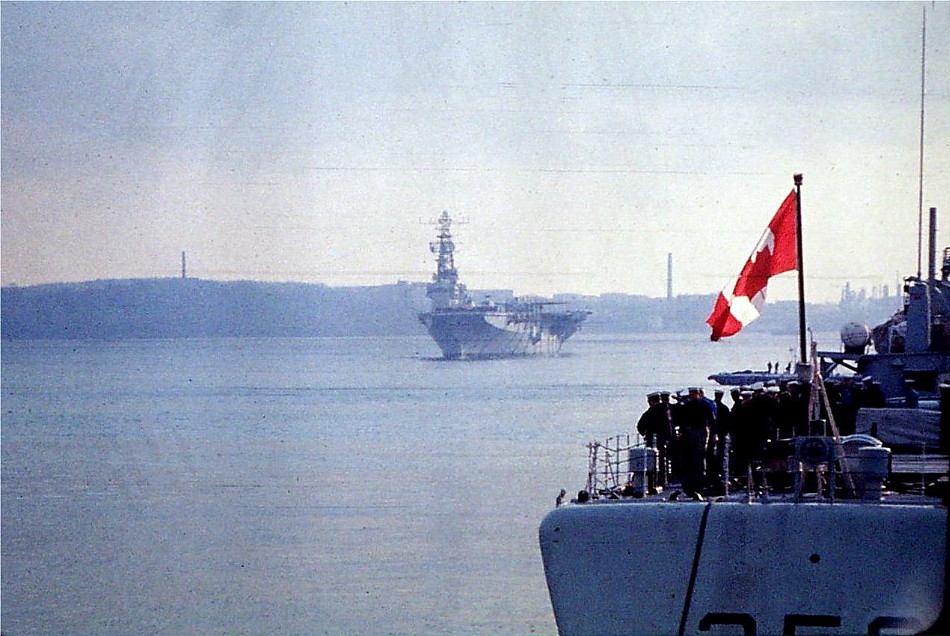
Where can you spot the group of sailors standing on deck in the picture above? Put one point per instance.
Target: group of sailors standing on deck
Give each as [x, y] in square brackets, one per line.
[704, 444]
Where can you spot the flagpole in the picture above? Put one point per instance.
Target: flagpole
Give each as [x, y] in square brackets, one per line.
[801, 268]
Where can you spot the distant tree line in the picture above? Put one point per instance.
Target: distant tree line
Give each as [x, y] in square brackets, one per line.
[193, 308]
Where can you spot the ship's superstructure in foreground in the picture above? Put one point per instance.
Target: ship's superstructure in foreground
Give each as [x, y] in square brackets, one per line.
[464, 329]
[819, 530]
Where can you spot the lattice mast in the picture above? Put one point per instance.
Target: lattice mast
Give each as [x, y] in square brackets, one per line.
[445, 290]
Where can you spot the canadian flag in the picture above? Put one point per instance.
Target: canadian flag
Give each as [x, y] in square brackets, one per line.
[740, 301]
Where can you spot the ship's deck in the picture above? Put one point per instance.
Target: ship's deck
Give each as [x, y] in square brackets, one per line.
[674, 495]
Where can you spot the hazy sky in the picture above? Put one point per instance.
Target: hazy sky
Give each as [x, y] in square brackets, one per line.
[581, 142]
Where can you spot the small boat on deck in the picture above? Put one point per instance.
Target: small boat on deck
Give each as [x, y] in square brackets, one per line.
[749, 377]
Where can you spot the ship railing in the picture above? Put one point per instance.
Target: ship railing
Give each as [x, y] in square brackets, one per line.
[790, 466]
[917, 468]
[608, 463]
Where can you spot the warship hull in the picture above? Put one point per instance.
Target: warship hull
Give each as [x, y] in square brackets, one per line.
[692, 568]
[478, 334]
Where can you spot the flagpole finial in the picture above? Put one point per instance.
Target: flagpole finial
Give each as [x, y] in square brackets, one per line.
[798, 179]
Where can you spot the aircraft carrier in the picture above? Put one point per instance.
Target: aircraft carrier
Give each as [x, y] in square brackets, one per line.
[469, 330]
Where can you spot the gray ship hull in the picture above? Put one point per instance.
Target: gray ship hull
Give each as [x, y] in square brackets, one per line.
[480, 334]
[690, 568]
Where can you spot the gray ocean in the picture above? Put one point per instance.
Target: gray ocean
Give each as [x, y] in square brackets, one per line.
[306, 486]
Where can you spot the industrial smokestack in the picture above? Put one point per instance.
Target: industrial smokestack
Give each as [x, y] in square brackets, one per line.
[669, 276]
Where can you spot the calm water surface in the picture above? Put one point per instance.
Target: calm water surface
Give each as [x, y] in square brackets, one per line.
[306, 486]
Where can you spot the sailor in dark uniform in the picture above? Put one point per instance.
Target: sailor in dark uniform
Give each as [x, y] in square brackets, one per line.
[741, 434]
[798, 401]
[668, 441]
[645, 425]
[656, 428]
[716, 449]
[695, 421]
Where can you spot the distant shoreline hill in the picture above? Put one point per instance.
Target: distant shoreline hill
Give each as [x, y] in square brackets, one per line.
[197, 308]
